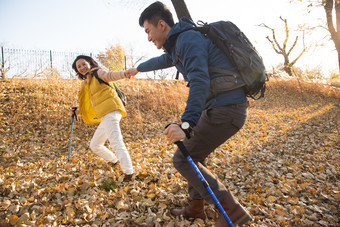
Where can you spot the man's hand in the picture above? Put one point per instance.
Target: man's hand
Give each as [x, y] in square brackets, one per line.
[174, 133]
[130, 72]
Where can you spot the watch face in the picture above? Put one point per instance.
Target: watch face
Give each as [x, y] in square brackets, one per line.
[185, 125]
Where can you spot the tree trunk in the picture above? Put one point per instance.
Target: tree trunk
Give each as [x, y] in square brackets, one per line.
[288, 69]
[335, 32]
[339, 60]
[181, 9]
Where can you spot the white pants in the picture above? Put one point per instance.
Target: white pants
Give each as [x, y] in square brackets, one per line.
[109, 129]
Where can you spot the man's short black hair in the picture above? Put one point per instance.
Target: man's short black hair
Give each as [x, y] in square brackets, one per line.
[155, 12]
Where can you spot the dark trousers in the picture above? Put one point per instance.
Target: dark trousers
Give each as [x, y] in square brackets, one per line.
[215, 126]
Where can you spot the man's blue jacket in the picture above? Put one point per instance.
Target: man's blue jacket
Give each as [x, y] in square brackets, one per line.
[192, 54]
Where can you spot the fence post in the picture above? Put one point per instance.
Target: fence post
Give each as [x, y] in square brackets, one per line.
[2, 57]
[51, 63]
[2, 63]
[125, 61]
[51, 59]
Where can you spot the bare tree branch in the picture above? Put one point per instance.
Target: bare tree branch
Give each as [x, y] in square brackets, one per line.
[287, 33]
[287, 66]
[274, 47]
[294, 44]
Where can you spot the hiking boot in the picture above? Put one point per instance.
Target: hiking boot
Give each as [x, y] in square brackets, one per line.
[128, 177]
[194, 210]
[236, 213]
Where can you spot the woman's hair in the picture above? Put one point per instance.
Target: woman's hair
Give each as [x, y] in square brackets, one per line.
[155, 12]
[90, 60]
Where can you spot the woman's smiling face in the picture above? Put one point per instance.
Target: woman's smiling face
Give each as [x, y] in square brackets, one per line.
[83, 66]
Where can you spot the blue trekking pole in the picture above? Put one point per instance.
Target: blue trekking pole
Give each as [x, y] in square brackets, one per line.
[185, 152]
[73, 116]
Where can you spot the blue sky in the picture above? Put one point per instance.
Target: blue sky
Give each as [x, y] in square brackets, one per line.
[92, 25]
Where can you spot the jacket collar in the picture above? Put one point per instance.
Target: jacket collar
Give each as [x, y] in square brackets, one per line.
[183, 25]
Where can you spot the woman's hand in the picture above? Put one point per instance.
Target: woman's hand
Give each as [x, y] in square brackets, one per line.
[74, 111]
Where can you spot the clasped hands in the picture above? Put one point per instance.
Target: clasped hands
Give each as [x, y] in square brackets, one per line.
[130, 72]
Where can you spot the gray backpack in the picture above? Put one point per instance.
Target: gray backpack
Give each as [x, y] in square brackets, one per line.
[250, 68]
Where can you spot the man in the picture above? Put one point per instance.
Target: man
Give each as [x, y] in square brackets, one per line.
[213, 117]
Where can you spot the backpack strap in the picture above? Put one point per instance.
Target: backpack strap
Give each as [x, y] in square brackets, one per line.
[95, 73]
[262, 90]
[177, 75]
[178, 59]
[121, 94]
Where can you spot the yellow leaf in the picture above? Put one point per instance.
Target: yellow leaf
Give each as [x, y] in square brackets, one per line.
[13, 219]
[151, 195]
[271, 198]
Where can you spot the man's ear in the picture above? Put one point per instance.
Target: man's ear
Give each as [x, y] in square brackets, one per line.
[162, 25]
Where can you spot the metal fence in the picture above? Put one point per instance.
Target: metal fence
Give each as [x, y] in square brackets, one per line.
[47, 63]
[38, 63]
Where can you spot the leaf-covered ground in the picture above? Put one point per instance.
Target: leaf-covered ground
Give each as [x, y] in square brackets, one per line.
[283, 166]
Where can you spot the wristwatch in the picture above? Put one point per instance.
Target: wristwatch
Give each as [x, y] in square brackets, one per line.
[185, 126]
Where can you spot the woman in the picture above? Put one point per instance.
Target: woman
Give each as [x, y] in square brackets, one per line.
[99, 102]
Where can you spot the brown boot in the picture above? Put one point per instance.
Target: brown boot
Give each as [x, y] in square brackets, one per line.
[194, 210]
[236, 213]
[128, 177]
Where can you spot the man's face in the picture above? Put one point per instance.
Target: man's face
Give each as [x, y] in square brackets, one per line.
[157, 35]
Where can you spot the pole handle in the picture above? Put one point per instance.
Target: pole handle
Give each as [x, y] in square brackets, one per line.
[74, 113]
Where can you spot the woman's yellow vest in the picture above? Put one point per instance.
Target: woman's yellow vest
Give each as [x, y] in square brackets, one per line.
[96, 100]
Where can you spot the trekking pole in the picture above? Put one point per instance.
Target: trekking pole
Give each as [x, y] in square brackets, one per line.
[186, 154]
[73, 115]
